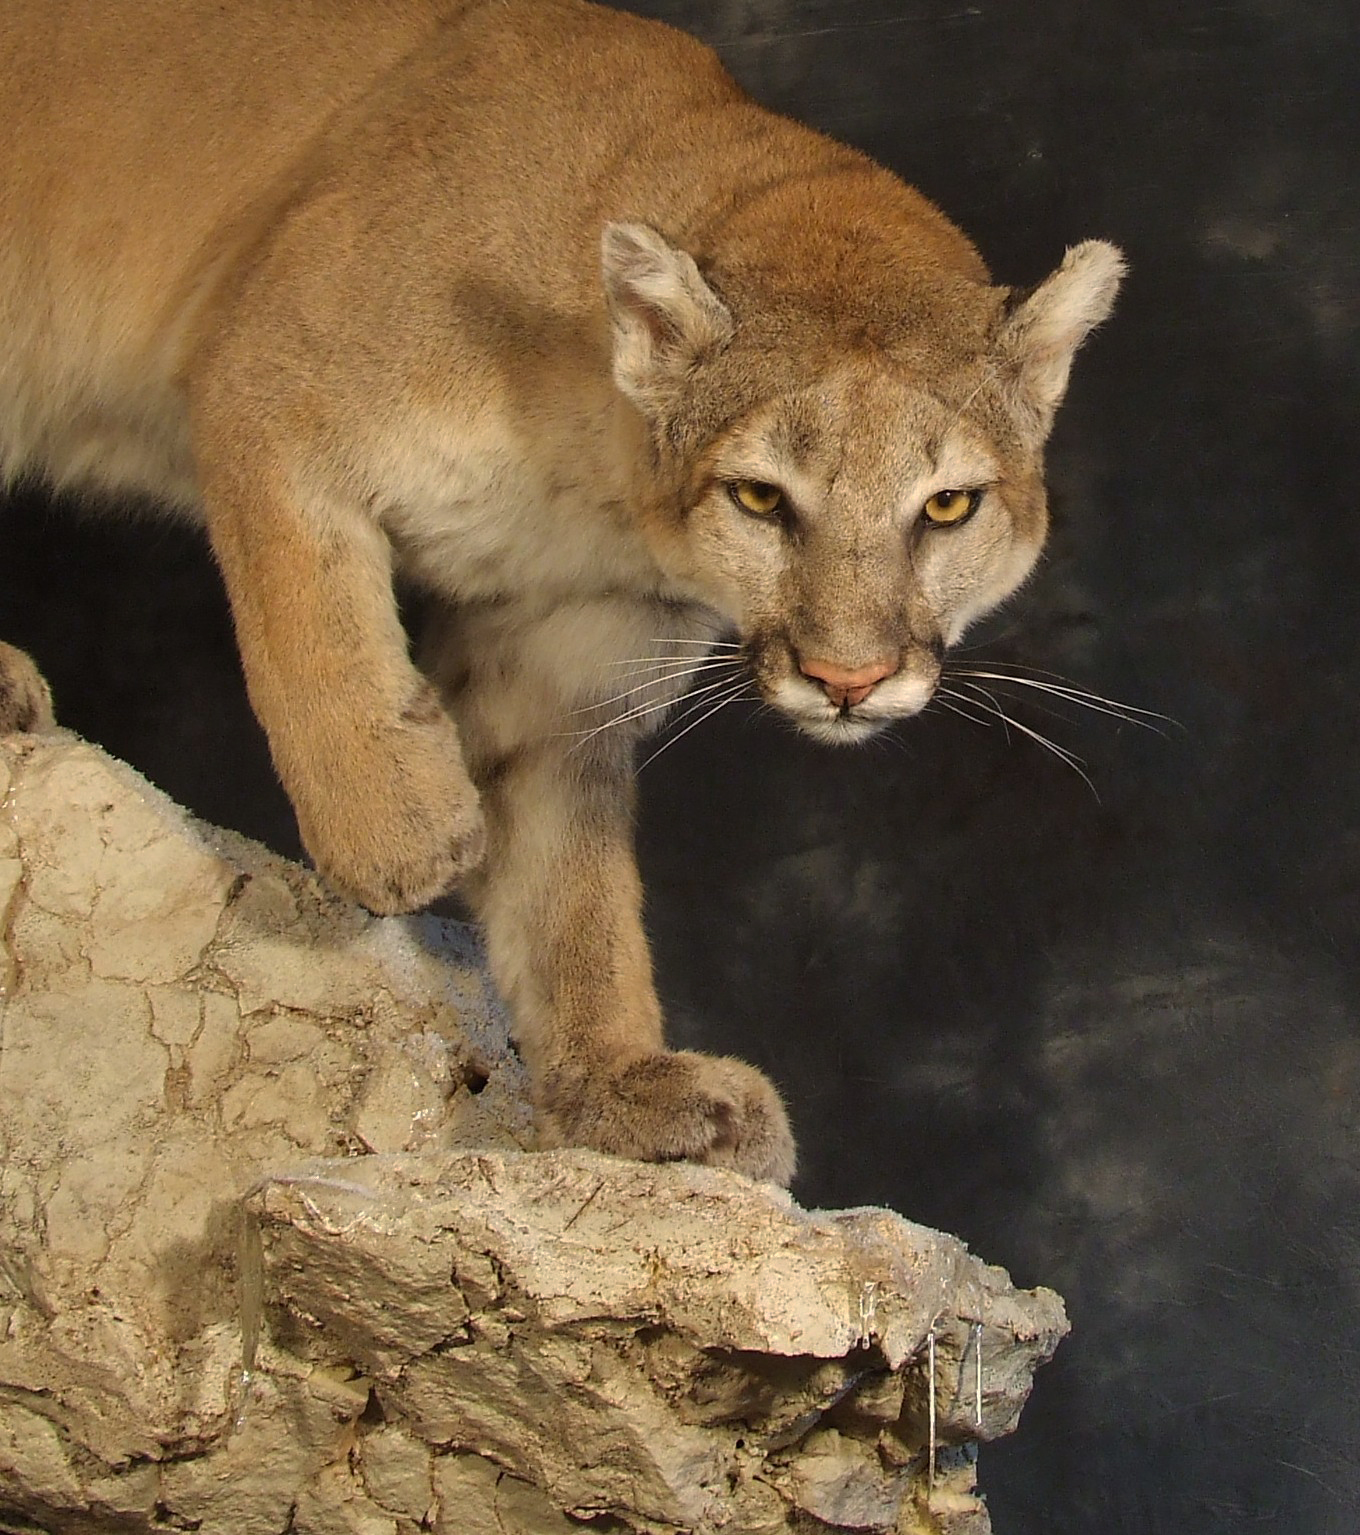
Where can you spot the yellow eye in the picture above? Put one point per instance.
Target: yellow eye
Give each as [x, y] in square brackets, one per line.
[948, 507]
[756, 497]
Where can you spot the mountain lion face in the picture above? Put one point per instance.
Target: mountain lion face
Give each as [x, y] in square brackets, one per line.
[850, 493]
[859, 525]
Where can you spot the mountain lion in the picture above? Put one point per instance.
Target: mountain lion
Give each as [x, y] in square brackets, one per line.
[526, 300]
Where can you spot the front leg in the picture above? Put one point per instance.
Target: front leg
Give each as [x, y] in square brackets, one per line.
[367, 753]
[561, 903]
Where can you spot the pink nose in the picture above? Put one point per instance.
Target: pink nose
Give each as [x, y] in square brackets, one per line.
[848, 684]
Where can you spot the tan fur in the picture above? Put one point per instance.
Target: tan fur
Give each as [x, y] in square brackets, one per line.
[508, 294]
[25, 698]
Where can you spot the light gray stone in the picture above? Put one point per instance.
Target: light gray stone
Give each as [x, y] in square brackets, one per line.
[275, 1253]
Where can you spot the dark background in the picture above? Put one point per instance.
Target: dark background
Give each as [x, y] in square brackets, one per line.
[1114, 1043]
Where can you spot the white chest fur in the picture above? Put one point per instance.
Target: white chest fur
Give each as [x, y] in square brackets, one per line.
[500, 511]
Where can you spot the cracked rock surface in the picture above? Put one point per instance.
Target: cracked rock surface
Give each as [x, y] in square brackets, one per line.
[275, 1255]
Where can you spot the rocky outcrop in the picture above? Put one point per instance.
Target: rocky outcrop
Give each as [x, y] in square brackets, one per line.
[275, 1254]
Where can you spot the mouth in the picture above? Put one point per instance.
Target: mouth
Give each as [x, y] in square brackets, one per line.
[846, 728]
[846, 724]
[842, 700]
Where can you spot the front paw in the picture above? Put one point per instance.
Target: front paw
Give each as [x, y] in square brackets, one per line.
[25, 700]
[677, 1106]
[396, 822]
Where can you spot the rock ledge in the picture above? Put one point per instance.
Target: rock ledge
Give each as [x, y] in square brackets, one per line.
[274, 1255]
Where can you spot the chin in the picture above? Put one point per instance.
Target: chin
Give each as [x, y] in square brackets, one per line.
[838, 729]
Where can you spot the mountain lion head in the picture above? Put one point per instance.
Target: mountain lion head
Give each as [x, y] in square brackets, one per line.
[851, 460]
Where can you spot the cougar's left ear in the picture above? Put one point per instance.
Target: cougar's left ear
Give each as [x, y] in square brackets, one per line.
[1042, 331]
[664, 314]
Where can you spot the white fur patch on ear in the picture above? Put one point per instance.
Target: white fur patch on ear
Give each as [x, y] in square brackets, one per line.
[1044, 332]
[664, 314]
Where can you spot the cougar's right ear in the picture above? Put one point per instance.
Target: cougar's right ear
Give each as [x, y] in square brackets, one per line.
[664, 315]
